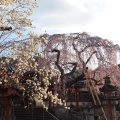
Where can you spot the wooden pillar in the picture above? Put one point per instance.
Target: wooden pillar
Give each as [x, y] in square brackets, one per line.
[7, 105]
[7, 109]
[76, 93]
[110, 107]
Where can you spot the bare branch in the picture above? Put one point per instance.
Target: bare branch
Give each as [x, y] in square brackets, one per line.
[57, 62]
[74, 68]
[5, 28]
[90, 57]
[72, 82]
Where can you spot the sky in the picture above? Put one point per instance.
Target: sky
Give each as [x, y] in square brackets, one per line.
[96, 17]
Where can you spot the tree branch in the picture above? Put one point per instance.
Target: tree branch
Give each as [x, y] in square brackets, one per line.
[90, 57]
[72, 82]
[57, 62]
[5, 28]
[73, 70]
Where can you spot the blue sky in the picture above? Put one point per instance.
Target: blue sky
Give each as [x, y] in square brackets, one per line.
[97, 17]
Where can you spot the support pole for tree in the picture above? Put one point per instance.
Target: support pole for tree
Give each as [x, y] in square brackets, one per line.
[95, 92]
[89, 82]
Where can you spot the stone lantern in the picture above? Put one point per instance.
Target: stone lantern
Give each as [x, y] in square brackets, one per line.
[109, 97]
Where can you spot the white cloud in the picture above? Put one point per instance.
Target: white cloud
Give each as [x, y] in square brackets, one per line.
[98, 17]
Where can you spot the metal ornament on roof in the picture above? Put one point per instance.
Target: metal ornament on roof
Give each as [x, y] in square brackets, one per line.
[107, 80]
[107, 86]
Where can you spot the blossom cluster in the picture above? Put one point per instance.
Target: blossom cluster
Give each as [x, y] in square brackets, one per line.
[24, 57]
[22, 53]
[15, 14]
